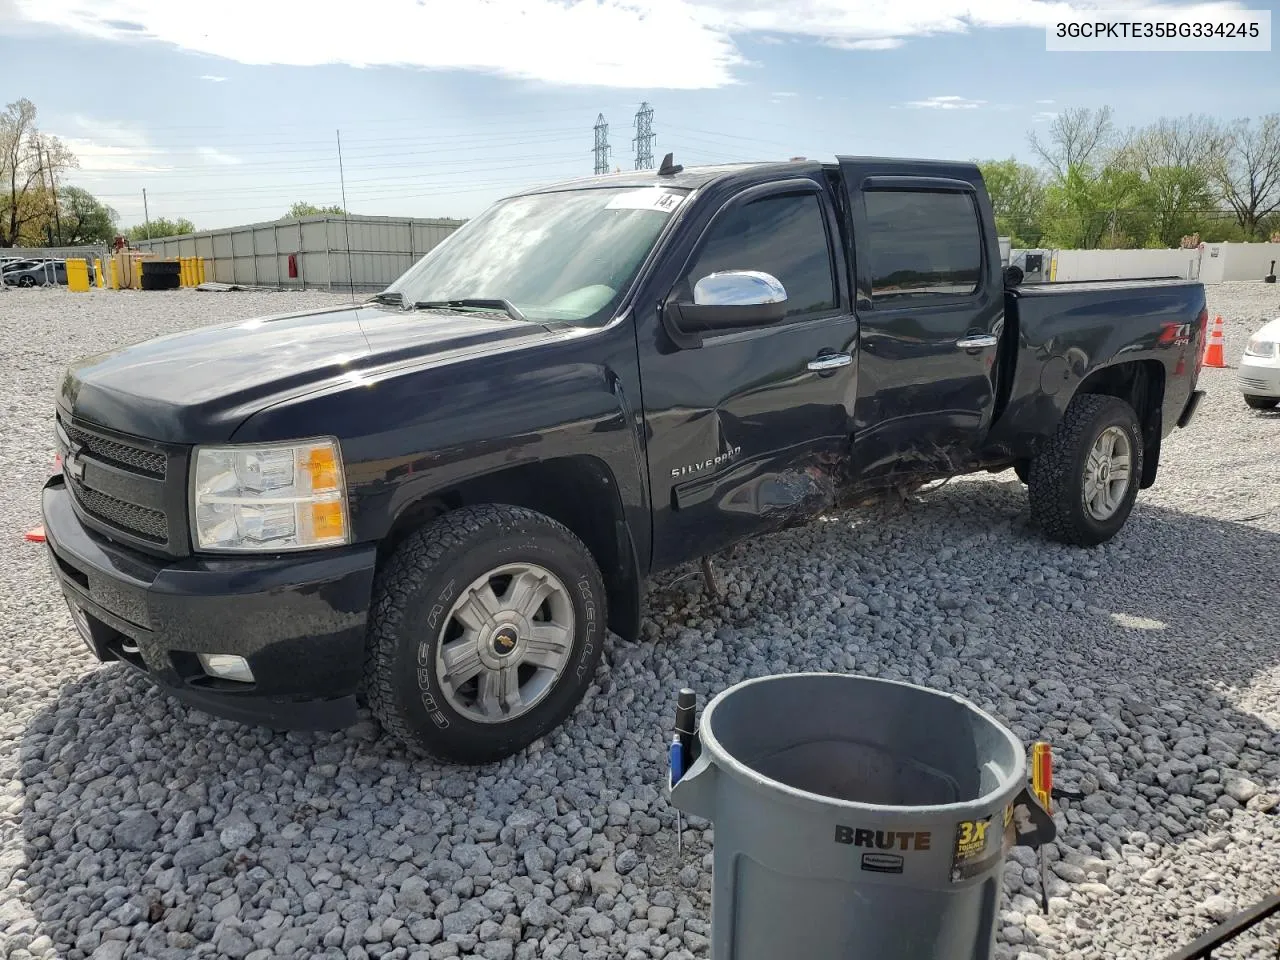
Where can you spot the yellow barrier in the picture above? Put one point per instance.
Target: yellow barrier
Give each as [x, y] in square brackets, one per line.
[115, 275]
[184, 271]
[199, 270]
[78, 275]
[97, 273]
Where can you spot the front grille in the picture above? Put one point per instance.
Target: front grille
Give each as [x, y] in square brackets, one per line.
[140, 521]
[1253, 384]
[147, 462]
[130, 489]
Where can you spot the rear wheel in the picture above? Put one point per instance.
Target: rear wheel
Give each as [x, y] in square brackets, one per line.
[486, 632]
[1261, 403]
[1083, 484]
[26, 281]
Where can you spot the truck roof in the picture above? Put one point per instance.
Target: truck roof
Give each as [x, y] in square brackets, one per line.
[698, 176]
[688, 177]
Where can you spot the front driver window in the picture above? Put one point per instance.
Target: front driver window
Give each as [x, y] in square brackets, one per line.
[783, 235]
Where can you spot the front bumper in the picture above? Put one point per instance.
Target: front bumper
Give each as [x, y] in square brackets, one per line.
[1259, 377]
[299, 620]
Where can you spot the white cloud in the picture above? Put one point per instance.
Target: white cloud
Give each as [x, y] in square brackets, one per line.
[873, 43]
[1044, 116]
[946, 103]
[1044, 101]
[608, 43]
[213, 79]
[105, 146]
[785, 93]
[214, 155]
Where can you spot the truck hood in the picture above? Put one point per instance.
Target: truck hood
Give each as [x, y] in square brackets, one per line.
[198, 386]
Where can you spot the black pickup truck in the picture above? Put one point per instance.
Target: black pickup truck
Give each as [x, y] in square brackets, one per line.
[440, 499]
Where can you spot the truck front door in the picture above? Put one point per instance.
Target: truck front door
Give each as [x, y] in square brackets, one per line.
[747, 429]
[930, 306]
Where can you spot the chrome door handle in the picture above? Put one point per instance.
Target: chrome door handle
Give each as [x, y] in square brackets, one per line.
[830, 361]
[978, 341]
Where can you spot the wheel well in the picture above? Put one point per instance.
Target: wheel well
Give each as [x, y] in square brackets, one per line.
[579, 492]
[1140, 383]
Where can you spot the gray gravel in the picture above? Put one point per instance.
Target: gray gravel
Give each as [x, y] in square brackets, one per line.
[131, 826]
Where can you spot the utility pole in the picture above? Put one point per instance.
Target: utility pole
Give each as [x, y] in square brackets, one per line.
[48, 230]
[53, 192]
[644, 137]
[601, 149]
[145, 215]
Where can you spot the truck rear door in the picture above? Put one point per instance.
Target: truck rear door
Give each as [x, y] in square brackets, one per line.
[930, 308]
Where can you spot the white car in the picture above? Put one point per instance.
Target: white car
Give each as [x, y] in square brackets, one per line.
[1259, 374]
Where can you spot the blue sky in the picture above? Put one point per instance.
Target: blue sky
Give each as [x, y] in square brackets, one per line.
[444, 107]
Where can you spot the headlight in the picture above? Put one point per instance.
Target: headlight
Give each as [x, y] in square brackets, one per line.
[1260, 348]
[287, 496]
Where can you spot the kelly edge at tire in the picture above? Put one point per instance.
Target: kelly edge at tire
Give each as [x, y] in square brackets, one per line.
[1059, 474]
[421, 602]
[1261, 403]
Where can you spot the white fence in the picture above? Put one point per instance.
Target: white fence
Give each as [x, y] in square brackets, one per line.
[310, 253]
[1211, 263]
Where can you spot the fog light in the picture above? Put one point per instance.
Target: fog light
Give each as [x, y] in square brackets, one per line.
[226, 667]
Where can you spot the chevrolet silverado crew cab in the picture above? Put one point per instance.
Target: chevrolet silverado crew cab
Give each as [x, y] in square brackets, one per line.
[439, 500]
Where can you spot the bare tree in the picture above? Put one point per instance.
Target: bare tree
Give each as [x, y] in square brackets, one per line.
[1077, 137]
[1191, 142]
[1248, 172]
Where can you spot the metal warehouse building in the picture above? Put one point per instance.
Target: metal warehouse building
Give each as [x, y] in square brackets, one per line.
[310, 253]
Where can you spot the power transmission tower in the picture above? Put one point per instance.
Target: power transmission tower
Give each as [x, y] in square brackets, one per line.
[601, 149]
[644, 137]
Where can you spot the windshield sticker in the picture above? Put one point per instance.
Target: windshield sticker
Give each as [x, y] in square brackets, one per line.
[650, 198]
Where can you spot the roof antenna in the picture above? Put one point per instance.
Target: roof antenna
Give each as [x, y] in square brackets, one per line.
[668, 168]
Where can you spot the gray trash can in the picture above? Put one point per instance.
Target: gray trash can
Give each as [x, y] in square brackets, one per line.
[855, 818]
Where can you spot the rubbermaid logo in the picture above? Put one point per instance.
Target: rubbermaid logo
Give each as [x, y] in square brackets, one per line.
[882, 862]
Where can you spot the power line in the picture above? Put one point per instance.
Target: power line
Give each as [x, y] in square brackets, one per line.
[601, 148]
[644, 137]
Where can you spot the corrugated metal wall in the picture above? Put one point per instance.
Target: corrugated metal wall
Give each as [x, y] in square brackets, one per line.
[382, 248]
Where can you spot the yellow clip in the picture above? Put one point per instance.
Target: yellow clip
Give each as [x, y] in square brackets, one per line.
[1042, 774]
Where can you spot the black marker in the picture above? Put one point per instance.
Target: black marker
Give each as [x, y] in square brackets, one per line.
[686, 730]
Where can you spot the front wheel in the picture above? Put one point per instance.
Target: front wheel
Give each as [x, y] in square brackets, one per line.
[26, 281]
[1261, 403]
[487, 628]
[1083, 484]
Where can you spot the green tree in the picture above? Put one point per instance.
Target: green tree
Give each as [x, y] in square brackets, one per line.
[304, 209]
[84, 218]
[1175, 158]
[1017, 199]
[1088, 210]
[161, 227]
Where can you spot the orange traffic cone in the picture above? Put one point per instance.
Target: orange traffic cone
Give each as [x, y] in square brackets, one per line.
[35, 535]
[1213, 349]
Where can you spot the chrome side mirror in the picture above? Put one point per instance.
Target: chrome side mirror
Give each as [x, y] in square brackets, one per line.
[738, 288]
[729, 300]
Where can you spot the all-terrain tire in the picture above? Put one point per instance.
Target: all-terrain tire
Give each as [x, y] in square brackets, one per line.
[1057, 480]
[1261, 403]
[414, 591]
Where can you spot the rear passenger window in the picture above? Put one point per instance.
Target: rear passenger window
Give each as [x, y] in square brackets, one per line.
[922, 244]
[782, 235]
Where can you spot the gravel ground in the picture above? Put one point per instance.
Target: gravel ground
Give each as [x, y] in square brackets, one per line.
[132, 826]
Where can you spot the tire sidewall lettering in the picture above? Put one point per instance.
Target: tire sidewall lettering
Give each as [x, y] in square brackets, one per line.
[425, 682]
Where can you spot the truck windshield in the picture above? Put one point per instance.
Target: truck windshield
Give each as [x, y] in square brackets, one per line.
[564, 256]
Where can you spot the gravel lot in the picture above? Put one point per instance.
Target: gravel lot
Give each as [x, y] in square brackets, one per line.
[132, 826]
